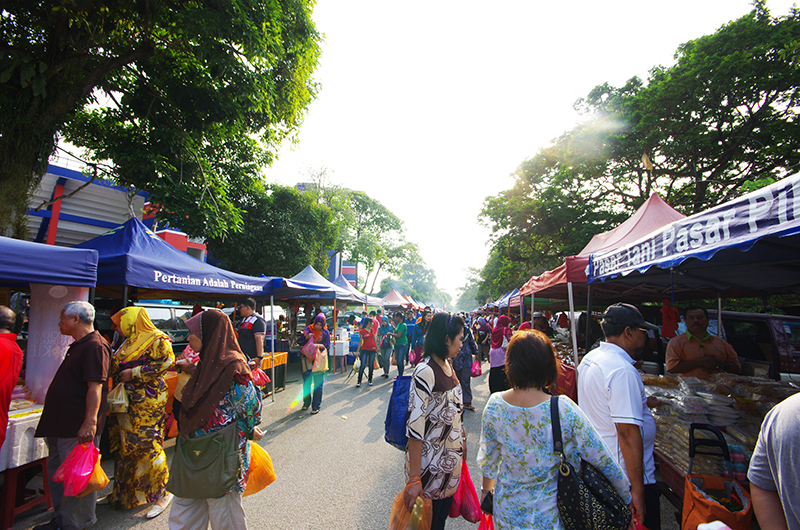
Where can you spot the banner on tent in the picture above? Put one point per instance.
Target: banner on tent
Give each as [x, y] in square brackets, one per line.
[773, 210]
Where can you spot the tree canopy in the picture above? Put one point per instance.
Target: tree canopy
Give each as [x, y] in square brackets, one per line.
[283, 231]
[184, 100]
[715, 125]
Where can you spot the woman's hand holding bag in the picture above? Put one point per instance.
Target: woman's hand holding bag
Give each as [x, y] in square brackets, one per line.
[402, 518]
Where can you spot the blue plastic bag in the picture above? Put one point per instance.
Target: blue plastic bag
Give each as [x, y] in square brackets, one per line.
[397, 414]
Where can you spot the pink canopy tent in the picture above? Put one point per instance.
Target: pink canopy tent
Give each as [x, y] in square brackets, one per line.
[394, 300]
[559, 282]
[652, 215]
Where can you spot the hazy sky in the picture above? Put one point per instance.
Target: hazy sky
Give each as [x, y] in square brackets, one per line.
[428, 106]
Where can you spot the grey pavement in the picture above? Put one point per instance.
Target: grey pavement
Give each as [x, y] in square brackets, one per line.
[334, 469]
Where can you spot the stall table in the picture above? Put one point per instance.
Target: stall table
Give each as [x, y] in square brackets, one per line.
[281, 358]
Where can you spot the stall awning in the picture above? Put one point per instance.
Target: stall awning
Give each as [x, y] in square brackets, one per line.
[24, 262]
[750, 245]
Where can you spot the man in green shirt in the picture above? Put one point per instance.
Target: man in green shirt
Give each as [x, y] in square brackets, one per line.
[400, 342]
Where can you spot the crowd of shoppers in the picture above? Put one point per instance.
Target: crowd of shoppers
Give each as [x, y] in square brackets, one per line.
[610, 428]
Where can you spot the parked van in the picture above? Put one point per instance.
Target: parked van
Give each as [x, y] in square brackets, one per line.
[767, 345]
[171, 319]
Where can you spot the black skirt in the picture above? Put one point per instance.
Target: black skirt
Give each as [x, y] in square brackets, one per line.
[497, 379]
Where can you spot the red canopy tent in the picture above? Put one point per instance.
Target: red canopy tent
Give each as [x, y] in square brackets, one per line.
[558, 283]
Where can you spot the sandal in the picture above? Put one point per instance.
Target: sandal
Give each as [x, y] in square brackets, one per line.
[315, 411]
[305, 407]
[469, 407]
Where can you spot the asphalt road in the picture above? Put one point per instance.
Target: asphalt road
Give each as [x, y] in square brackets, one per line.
[334, 470]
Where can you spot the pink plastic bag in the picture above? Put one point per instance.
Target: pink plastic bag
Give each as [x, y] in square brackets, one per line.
[77, 468]
[477, 371]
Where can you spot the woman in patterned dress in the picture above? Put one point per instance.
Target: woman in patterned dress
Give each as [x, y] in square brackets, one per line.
[221, 391]
[436, 436]
[137, 436]
[516, 448]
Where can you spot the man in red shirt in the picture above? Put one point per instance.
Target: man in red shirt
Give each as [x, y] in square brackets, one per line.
[10, 365]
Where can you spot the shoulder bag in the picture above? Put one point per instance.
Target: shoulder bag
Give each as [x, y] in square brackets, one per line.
[586, 500]
[205, 467]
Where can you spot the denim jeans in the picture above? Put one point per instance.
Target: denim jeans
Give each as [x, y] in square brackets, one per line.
[386, 358]
[367, 358]
[401, 356]
[317, 379]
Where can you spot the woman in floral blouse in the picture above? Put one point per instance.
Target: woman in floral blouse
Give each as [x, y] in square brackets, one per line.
[516, 449]
[436, 437]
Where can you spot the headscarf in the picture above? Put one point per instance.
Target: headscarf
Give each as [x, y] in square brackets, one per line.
[501, 330]
[136, 325]
[317, 333]
[484, 326]
[220, 360]
[525, 325]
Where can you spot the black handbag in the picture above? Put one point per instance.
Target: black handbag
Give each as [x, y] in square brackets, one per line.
[586, 500]
[205, 467]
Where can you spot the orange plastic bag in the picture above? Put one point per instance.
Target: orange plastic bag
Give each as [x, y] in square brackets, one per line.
[487, 522]
[97, 480]
[77, 468]
[700, 504]
[262, 474]
[419, 519]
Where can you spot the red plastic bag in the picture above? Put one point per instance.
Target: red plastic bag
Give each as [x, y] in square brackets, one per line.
[77, 468]
[637, 524]
[419, 519]
[477, 371]
[487, 523]
[470, 503]
[259, 377]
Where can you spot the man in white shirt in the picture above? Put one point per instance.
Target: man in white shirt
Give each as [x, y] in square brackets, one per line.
[611, 393]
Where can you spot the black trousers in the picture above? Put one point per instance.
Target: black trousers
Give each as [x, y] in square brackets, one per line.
[441, 510]
[652, 503]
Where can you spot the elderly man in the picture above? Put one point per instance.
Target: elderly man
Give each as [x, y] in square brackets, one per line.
[697, 353]
[75, 410]
[10, 365]
[611, 393]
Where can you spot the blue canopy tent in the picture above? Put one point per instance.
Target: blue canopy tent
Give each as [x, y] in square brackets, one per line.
[365, 299]
[24, 262]
[133, 256]
[746, 247]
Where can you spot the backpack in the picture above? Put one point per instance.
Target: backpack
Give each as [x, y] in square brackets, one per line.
[397, 413]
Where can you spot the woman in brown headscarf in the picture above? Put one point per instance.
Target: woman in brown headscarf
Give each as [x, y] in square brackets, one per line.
[219, 392]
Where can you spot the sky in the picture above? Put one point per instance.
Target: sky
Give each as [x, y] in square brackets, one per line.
[429, 106]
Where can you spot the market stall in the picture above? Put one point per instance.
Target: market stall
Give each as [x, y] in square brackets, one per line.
[746, 247]
[53, 276]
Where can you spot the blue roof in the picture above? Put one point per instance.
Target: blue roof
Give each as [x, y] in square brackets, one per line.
[133, 255]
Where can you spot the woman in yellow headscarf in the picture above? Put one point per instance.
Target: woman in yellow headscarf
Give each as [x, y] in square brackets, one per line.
[137, 436]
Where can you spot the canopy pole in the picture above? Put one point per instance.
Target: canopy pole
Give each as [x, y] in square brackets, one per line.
[124, 297]
[719, 315]
[587, 344]
[272, 343]
[671, 286]
[573, 329]
[91, 295]
[533, 306]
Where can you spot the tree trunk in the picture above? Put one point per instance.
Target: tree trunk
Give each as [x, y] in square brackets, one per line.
[24, 154]
[372, 289]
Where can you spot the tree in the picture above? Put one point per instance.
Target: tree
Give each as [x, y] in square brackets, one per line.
[468, 293]
[185, 99]
[717, 124]
[283, 232]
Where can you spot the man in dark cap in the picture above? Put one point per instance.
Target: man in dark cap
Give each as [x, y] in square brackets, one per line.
[611, 393]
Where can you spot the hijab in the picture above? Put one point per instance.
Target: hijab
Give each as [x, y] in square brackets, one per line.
[317, 333]
[220, 360]
[500, 331]
[140, 331]
[484, 326]
[525, 325]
